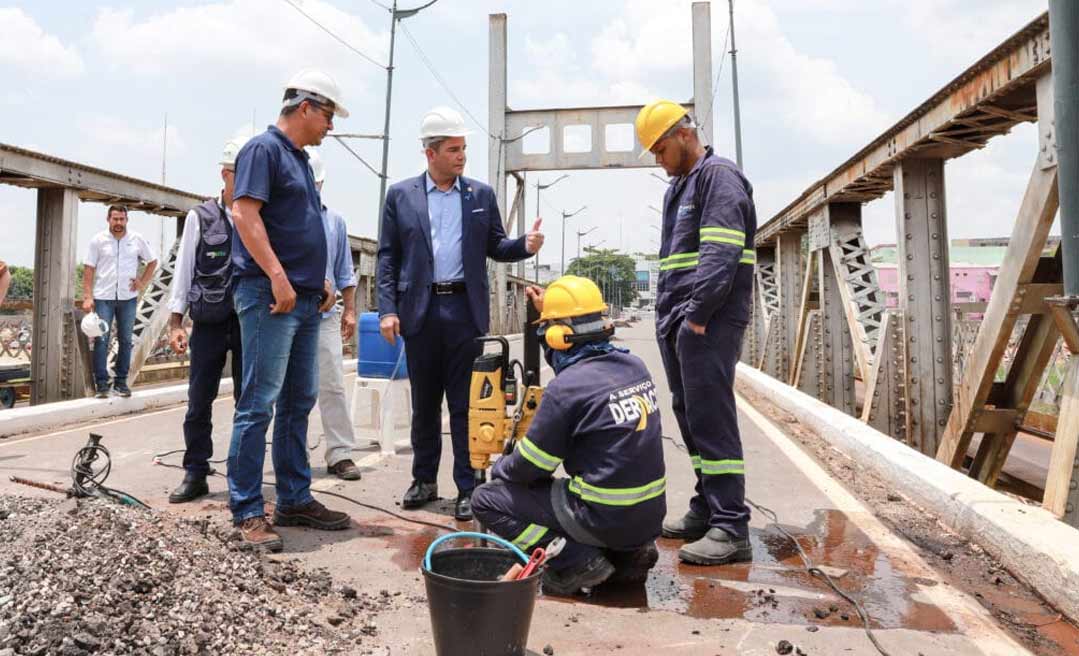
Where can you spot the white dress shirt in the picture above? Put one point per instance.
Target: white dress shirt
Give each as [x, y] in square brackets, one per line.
[185, 260]
[116, 263]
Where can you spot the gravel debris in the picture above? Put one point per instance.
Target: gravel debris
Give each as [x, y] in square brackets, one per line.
[95, 577]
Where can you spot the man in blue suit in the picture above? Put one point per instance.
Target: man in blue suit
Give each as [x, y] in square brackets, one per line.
[438, 230]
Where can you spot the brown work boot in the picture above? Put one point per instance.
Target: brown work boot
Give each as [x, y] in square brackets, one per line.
[345, 469]
[312, 514]
[256, 533]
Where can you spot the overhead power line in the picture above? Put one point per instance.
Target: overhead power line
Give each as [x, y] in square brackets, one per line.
[357, 156]
[441, 81]
[332, 34]
[719, 74]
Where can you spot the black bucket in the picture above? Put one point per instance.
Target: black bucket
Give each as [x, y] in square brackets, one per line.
[472, 612]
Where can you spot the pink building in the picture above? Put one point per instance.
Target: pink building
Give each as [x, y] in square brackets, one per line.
[974, 265]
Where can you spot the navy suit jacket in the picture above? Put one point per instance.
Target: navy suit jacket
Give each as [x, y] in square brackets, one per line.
[406, 262]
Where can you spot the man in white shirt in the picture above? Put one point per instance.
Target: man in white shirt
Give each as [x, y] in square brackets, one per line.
[202, 287]
[335, 327]
[111, 284]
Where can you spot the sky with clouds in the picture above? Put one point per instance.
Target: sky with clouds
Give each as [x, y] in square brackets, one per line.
[93, 82]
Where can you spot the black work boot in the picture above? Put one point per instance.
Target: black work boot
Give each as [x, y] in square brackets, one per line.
[462, 510]
[717, 547]
[192, 487]
[418, 494]
[633, 566]
[568, 582]
[690, 526]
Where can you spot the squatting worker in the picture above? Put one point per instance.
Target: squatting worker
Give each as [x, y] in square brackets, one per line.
[438, 229]
[600, 422]
[335, 327]
[111, 283]
[202, 288]
[279, 273]
[702, 310]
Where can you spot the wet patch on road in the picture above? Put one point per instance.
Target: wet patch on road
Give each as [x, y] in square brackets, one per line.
[775, 588]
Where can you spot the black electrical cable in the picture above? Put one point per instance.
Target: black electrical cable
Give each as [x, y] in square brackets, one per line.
[809, 567]
[89, 481]
[158, 456]
[271, 483]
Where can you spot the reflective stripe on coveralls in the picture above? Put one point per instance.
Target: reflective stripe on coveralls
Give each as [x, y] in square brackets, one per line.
[530, 536]
[617, 496]
[717, 467]
[537, 456]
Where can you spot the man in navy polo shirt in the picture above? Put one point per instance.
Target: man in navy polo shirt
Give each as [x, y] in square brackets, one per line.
[279, 268]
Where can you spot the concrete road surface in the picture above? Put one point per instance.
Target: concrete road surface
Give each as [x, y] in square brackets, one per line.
[741, 609]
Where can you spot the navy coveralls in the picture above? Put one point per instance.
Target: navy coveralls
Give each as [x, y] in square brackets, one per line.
[599, 420]
[706, 276]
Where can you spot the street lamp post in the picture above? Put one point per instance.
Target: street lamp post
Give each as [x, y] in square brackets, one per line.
[540, 187]
[565, 216]
[583, 234]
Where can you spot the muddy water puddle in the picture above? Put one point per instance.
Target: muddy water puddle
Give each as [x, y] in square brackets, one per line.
[772, 589]
[775, 588]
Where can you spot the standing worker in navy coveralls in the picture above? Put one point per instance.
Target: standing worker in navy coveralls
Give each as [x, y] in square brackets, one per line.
[702, 310]
[438, 230]
[279, 267]
[599, 420]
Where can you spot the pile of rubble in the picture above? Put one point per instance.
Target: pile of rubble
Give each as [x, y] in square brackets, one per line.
[79, 577]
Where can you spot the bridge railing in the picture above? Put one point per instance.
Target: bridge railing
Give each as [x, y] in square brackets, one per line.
[922, 372]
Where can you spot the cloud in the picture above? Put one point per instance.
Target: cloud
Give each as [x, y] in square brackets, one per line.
[25, 46]
[635, 55]
[126, 147]
[237, 34]
[961, 31]
[559, 80]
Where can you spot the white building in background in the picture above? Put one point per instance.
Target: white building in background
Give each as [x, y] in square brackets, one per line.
[545, 274]
[646, 267]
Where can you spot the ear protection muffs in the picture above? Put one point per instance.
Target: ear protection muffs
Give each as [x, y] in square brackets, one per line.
[559, 336]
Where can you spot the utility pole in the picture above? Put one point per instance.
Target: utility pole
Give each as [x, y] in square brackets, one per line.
[566, 215]
[395, 15]
[539, 211]
[734, 83]
[386, 124]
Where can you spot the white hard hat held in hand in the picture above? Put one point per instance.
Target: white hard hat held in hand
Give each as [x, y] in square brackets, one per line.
[93, 326]
[318, 167]
[316, 86]
[443, 122]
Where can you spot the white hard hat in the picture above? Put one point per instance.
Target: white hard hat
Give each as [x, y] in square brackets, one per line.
[317, 166]
[443, 122]
[317, 86]
[232, 149]
[93, 325]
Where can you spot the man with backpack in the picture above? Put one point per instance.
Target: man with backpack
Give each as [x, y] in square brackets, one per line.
[202, 288]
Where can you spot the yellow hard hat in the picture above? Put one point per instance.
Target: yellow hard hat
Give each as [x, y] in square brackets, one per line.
[571, 296]
[656, 118]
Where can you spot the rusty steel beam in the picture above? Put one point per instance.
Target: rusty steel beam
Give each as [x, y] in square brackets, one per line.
[1001, 85]
[26, 168]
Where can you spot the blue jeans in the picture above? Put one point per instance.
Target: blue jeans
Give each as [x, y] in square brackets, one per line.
[124, 313]
[280, 372]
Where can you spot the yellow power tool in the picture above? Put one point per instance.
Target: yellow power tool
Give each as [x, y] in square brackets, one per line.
[492, 394]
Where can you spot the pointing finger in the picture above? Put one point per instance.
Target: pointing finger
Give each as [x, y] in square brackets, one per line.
[536, 225]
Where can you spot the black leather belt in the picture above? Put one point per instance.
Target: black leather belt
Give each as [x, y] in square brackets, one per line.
[452, 287]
